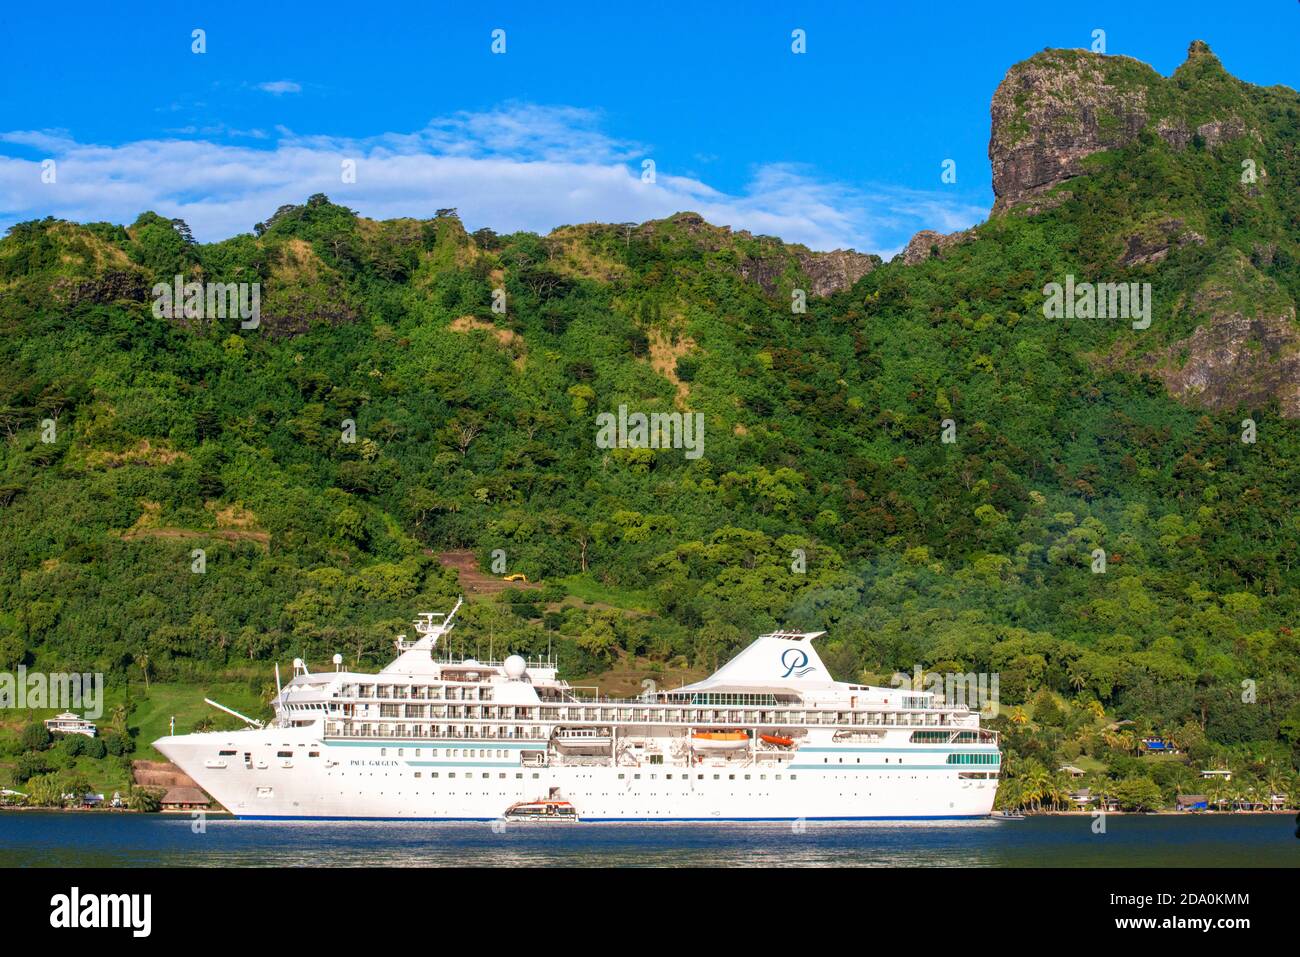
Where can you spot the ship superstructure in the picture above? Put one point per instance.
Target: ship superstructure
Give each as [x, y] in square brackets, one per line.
[769, 736]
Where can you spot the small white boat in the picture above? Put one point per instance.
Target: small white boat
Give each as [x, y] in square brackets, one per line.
[582, 739]
[214, 763]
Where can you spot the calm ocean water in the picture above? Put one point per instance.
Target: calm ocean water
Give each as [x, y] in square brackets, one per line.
[33, 839]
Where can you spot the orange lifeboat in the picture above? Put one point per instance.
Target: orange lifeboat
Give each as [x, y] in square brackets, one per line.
[777, 739]
[719, 740]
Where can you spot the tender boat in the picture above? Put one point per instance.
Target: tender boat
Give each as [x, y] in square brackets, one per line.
[779, 740]
[545, 811]
[582, 739]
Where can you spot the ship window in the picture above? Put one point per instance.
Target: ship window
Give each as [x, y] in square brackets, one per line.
[226, 754]
[284, 754]
[313, 754]
[620, 777]
[451, 774]
[417, 774]
[383, 752]
[435, 774]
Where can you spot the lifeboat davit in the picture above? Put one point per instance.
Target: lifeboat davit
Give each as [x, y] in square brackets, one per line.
[779, 740]
[719, 740]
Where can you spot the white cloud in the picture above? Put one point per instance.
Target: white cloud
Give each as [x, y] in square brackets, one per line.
[280, 87]
[518, 167]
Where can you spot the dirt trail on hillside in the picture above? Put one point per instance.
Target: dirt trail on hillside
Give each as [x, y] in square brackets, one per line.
[473, 581]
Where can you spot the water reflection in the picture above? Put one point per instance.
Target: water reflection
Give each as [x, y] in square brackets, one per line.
[99, 840]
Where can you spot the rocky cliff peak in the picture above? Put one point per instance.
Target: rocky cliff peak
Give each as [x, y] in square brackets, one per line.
[1060, 106]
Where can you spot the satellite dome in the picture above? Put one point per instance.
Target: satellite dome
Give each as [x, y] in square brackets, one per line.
[515, 666]
[338, 659]
[470, 661]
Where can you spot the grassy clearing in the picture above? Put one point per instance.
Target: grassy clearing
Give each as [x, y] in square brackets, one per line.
[589, 590]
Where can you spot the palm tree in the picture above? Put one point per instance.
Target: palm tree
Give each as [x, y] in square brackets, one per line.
[1078, 680]
[1277, 783]
[1103, 791]
[142, 660]
[1037, 781]
[1059, 791]
[1010, 795]
[1217, 792]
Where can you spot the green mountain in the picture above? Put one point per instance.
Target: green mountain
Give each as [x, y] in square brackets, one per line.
[1097, 532]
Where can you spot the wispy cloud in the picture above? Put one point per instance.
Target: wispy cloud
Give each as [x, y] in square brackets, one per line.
[521, 166]
[280, 87]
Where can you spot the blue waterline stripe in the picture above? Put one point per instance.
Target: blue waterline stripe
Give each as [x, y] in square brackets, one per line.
[887, 767]
[628, 820]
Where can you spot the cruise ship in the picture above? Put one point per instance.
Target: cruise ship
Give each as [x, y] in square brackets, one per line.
[768, 737]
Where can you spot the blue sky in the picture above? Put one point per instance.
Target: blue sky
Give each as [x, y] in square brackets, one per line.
[840, 146]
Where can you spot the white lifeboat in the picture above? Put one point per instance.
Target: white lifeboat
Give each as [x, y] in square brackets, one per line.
[583, 739]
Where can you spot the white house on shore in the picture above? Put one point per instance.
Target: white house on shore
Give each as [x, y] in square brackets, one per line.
[69, 723]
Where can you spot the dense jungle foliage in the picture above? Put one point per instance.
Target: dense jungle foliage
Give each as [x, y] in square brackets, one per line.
[823, 437]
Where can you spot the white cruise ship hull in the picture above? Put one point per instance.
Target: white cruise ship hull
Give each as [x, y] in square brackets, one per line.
[358, 780]
[448, 739]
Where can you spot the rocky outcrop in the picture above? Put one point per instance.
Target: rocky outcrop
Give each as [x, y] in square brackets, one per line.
[112, 286]
[1060, 106]
[824, 273]
[1151, 245]
[1053, 110]
[830, 272]
[928, 244]
[766, 261]
[1245, 349]
[1237, 361]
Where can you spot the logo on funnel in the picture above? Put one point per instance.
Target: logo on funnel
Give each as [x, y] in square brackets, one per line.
[795, 662]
